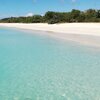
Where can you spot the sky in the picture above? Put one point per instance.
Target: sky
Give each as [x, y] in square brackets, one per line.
[10, 8]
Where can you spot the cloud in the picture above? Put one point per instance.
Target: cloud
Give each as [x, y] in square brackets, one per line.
[70, 0]
[73, 0]
[29, 14]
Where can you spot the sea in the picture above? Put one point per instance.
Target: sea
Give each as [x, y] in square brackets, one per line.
[40, 67]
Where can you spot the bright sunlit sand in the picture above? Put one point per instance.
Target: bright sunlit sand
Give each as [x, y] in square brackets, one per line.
[85, 33]
[67, 28]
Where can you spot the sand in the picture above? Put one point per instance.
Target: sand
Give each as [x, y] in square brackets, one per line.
[85, 33]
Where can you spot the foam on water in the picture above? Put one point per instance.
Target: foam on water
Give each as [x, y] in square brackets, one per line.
[34, 67]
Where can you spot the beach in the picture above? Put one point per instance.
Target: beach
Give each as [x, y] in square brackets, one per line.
[68, 28]
[85, 33]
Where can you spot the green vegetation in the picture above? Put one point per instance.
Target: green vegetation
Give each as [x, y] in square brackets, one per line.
[90, 15]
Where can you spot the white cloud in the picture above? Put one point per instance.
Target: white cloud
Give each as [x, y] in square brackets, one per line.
[73, 0]
[29, 14]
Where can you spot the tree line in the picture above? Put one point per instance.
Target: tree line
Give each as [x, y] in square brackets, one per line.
[50, 17]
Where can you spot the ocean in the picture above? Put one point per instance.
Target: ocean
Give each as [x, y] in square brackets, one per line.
[40, 67]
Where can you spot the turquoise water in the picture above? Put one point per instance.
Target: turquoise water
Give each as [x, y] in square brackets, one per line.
[38, 67]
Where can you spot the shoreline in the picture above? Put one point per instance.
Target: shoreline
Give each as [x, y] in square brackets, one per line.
[67, 28]
[84, 33]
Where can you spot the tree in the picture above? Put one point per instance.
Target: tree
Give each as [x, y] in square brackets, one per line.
[52, 17]
[36, 19]
[74, 15]
[49, 15]
[98, 13]
[90, 15]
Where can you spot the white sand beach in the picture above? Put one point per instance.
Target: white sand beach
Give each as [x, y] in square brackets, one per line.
[87, 33]
[68, 28]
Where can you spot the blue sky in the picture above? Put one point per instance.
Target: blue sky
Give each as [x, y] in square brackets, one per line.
[23, 7]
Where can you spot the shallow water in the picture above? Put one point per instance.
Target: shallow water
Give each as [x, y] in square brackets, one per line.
[38, 67]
